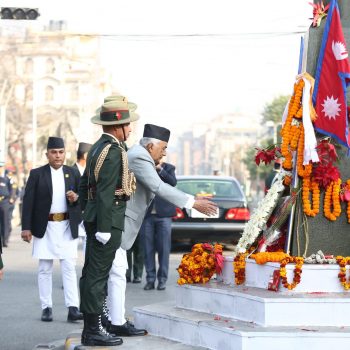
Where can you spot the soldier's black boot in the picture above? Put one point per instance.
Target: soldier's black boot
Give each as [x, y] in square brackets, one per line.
[95, 335]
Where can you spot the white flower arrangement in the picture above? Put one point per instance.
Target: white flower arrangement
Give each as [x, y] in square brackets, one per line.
[260, 215]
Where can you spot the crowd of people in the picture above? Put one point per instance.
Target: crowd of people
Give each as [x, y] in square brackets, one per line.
[120, 201]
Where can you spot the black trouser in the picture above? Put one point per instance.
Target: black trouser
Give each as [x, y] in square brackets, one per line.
[4, 221]
[10, 216]
[135, 258]
[98, 262]
[156, 238]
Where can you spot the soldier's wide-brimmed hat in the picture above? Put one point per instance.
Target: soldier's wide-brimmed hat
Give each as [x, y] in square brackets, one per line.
[115, 112]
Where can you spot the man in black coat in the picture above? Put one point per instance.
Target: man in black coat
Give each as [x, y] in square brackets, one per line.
[156, 233]
[51, 213]
[82, 152]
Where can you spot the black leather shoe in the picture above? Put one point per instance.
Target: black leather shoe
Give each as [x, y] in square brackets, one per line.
[126, 330]
[74, 314]
[128, 279]
[95, 335]
[137, 280]
[161, 286]
[46, 315]
[149, 286]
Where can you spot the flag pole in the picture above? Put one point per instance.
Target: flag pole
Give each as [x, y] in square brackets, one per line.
[301, 69]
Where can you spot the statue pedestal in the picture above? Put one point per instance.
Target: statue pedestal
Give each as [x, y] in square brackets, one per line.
[220, 315]
[315, 278]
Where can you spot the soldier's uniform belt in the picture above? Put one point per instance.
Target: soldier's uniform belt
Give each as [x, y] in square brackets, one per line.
[58, 216]
[118, 197]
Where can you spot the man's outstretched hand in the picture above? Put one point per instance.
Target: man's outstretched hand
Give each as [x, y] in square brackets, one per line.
[205, 206]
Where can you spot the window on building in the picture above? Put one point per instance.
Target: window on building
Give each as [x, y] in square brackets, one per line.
[74, 120]
[49, 93]
[28, 67]
[50, 66]
[74, 93]
[29, 93]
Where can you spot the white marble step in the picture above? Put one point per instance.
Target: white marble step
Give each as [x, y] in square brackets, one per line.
[264, 307]
[218, 333]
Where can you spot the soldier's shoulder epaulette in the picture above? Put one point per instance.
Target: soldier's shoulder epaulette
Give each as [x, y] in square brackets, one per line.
[116, 145]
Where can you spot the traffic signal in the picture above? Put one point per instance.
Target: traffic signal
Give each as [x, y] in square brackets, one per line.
[19, 13]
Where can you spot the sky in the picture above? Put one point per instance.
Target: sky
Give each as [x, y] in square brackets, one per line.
[187, 61]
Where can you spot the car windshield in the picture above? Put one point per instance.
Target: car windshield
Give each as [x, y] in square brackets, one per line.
[209, 188]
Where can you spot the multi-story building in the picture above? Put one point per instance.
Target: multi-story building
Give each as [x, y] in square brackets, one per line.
[219, 145]
[54, 83]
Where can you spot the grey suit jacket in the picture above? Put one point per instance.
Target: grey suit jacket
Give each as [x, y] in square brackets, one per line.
[148, 184]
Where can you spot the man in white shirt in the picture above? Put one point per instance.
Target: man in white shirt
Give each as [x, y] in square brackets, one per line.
[51, 213]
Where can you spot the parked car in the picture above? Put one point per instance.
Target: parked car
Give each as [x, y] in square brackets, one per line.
[227, 225]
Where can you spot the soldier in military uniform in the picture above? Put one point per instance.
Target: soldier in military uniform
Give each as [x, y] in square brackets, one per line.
[5, 195]
[105, 187]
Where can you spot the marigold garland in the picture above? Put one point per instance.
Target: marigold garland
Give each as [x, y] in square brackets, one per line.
[299, 261]
[264, 257]
[239, 264]
[291, 128]
[200, 265]
[239, 268]
[332, 200]
[348, 205]
[342, 262]
[312, 186]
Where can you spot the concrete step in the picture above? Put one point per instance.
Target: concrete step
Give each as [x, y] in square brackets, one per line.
[147, 342]
[263, 307]
[219, 333]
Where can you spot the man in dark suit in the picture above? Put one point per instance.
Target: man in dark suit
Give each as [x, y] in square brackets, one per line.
[80, 165]
[82, 152]
[156, 235]
[51, 213]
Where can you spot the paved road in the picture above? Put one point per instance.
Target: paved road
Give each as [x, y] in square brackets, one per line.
[20, 311]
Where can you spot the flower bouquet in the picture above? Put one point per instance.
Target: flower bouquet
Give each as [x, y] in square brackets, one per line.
[199, 266]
